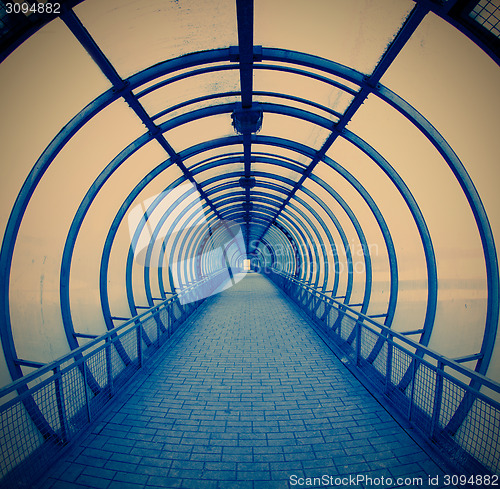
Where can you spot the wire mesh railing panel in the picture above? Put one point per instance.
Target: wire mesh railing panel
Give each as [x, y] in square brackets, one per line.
[347, 325]
[320, 309]
[162, 319]
[308, 302]
[400, 365]
[124, 358]
[379, 361]
[163, 316]
[423, 397]
[96, 365]
[118, 360]
[453, 395]
[97, 395]
[72, 383]
[128, 342]
[367, 344]
[150, 326]
[479, 433]
[430, 390]
[333, 314]
[41, 412]
[305, 299]
[177, 311]
[19, 437]
[46, 400]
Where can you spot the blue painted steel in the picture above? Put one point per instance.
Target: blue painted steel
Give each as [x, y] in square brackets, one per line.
[105, 256]
[10, 236]
[69, 246]
[135, 239]
[386, 234]
[19, 209]
[439, 380]
[309, 244]
[275, 187]
[231, 198]
[295, 146]
[295, 235]
[161, 257]
[166, 126]
[423, 230]
[244, 15]
[257, 93]
[478, 210]
[286, 239]
[157, 230]
[223, 55]
[289, 232]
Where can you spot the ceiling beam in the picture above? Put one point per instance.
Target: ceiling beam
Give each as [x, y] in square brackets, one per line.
[409, 27]
[245, 19]
[244, 14]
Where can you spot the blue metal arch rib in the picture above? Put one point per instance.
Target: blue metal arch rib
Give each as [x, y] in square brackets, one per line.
[122, 88]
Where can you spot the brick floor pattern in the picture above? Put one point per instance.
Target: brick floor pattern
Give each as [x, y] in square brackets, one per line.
[247, 397]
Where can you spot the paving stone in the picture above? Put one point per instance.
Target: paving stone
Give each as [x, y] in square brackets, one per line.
[94, 482]
[247, 396]
[124, 485]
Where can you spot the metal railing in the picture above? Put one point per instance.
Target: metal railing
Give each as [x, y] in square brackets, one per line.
[43, 411]
[431, 391]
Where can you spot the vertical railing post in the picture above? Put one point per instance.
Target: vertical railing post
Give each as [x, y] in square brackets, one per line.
[337, 325]
[139, 345]
[158, 330]
[85, 386]
[63, 421]
[358, 343]
[388, 367]
[438, 396]
[414, 367]
[169, 319]
[109, 366]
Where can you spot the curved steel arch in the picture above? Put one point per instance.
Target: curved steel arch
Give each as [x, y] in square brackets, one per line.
[261, 93]
[331, 215]
[198, 236]
[463, 178]
[374, 209]
[353, 220]
[154, 235]
[305, 116]
[294, 221]
[106, 252]
[410, 202]
[287, 165]
[145, 139]
[453, 13]
[187, 209]
[297, 238]
[225, 108]
[73, 232]
[478, 210]
[263, 197]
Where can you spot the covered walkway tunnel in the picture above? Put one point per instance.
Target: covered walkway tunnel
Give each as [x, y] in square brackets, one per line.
[252, 180]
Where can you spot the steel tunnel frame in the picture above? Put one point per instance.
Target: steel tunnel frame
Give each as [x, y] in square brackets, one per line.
[123, 89]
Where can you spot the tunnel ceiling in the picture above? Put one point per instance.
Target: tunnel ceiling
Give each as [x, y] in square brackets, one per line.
[351, 144]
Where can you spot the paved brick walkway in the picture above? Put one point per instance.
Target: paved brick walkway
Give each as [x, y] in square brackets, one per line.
[248, 398]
